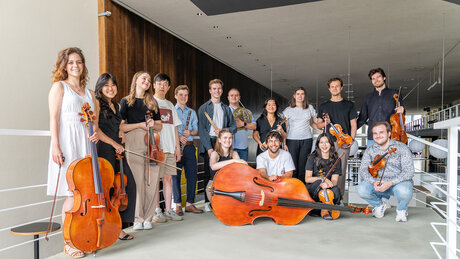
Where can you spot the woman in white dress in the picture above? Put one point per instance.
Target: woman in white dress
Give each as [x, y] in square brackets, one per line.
[69, 136]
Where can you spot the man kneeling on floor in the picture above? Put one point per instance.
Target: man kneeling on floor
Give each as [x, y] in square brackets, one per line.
[397, 174]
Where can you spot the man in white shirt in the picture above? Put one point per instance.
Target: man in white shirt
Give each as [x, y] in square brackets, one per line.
[275, 162]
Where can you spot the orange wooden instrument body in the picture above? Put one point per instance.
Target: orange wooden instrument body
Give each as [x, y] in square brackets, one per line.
[397, 121]
[379, 163]
[326, 196]
[337, 131]
[93, 223]
[152, 139]
[120, 198]
[261, 197]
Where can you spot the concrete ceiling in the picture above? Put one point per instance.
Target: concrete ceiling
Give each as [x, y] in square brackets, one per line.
[306, 44]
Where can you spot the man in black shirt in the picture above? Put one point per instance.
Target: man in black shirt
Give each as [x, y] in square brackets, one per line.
[378, 105]
[342, 112]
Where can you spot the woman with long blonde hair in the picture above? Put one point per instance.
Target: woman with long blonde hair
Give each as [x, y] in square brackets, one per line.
[134, 124]
[69, 136]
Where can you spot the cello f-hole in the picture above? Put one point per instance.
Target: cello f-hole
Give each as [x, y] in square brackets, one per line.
[86, 207]
[263, 185]
[250, 213]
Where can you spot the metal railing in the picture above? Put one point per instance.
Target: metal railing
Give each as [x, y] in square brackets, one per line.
[428, 121]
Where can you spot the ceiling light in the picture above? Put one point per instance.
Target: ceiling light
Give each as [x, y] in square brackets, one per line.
[249, 53]
[199, 14]
[239, 46]
[229, 37]
[215, 26]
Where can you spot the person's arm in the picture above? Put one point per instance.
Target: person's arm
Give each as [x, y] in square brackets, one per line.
[177, 153]
[320, 123]
[230, 120]
[104, 138]
[407, 166]
[363, 115]
[95, 137]
[202, 132]
[263, 173]
[313, 124]
[309, 178]
[287, 174]
[334, 179]
[55, 101]
[215, 165]
[354, 128]
[364, 168]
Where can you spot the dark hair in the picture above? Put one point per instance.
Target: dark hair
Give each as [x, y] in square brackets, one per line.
[380, 123]
[334, 79]
[161, 77]
[104, 104]
[305, 100]
[264, 112]
[319, 162]
[274, 134]
[376, 70]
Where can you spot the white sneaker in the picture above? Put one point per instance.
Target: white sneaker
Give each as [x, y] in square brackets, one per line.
[401, 215]
[138, 226]
[147, 225]
[379, 211]
[207, 207]
[171, 214]
[387, 202]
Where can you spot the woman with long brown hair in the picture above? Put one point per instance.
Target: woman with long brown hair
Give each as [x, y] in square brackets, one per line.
[299, 138]
[133, 111]
[69, 136]
[222, 155]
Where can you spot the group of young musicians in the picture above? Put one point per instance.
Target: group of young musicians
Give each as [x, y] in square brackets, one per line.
[284, 142]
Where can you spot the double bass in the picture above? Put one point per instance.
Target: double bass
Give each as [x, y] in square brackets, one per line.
[397, 123]
[93, 223]
[239, 195]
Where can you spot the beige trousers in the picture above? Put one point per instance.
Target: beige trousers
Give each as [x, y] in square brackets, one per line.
[146, 188]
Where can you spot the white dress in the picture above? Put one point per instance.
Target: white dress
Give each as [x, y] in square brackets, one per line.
[73, 138]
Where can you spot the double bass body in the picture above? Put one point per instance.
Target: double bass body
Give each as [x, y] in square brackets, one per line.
[248, 196]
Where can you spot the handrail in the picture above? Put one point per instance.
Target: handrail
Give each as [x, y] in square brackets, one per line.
[429, 143]
[427, 121]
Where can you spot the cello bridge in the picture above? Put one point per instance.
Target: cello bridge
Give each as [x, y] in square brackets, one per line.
[98, 207]
[262, 194]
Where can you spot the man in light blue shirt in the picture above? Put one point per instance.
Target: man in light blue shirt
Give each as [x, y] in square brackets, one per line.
[240, 139]
[187, 130]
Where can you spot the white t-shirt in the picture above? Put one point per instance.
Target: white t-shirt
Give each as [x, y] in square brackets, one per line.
[299, 122]
[217, 118]
[279, 166]
[170, 120]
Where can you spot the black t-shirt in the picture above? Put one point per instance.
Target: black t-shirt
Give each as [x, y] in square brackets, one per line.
[263, 126]
[136, 112]
[311, 166]
[340, 113]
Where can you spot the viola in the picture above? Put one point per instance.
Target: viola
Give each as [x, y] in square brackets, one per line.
[239, 195]
[326, 195]
[378, 163]
[152, 139]
[397, 123]
[337, 131]
[93, 223]
[120, 197]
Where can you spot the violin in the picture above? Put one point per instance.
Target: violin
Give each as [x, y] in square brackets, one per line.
[326, 196]
[120, 198]
[152, 139]
[93, 223]
[379, 163]
[337, 131]
[239, 195]
[397, 123]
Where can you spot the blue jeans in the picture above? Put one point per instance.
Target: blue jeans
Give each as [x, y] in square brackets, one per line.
[188, 162]
[402, 191]
[243, 153]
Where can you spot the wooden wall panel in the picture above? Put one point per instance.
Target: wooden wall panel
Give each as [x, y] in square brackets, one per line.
[131, 44]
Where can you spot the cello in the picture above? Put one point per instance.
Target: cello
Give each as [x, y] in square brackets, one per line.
[239, 195]
[93, 223]
[120, 198]
[397, 123]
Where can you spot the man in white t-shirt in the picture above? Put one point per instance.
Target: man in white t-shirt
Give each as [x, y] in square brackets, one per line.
[169, 142]
[275, 162]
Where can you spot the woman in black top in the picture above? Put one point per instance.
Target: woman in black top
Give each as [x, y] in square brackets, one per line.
[111, 139]
[318, 164]
[133, 110]
[268, 121]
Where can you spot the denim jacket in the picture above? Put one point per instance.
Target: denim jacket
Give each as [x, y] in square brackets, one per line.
[204, 125]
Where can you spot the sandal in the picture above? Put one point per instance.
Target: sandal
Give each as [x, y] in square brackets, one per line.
[126, 237]
[73, 252]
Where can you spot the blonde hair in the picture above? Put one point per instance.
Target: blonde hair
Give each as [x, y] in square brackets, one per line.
[218, 148]
[181, 87]
[59, 73]
[149, 100]
[216, 81]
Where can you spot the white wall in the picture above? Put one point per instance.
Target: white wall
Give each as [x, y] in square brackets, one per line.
[31, 34]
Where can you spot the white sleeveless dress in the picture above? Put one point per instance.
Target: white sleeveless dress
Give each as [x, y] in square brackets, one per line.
[73, 138]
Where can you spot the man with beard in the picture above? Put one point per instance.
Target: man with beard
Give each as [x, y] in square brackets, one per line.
[378, 105]
[394, 179]
[275, 162]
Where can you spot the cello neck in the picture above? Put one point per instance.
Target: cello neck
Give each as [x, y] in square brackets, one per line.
[294, 203]
[95, 162]
[122, 174]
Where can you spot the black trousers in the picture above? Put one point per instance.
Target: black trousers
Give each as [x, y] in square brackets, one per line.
[314, 189]
[299, 149]
[207, 168]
